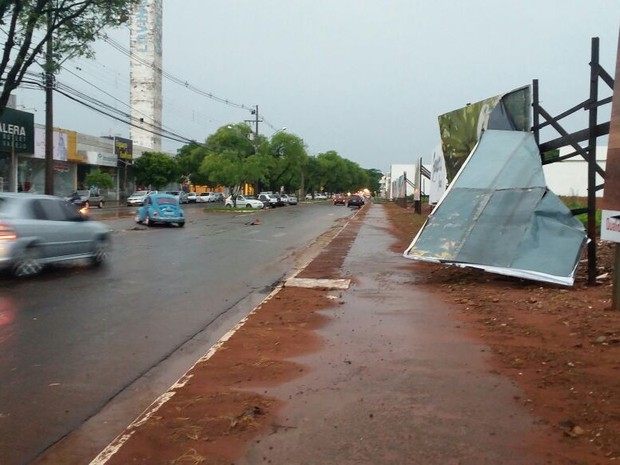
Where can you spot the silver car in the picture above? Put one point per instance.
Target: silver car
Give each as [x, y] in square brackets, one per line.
[37, 230]
[138, 197]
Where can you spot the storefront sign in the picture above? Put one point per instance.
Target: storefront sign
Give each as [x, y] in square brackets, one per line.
[99, 158]
[61, 166]
[123, 148]
[16, 131]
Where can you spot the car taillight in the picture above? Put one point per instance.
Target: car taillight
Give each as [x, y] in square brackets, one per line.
[7, 233]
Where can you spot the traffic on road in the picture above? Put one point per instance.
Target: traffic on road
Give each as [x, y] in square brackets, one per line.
[91, 347]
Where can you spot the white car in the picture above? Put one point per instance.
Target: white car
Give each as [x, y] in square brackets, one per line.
[192, 197]
[244, 202]
[138, 197]
[206, 197]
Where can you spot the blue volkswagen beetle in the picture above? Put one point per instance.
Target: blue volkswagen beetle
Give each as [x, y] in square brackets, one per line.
[160, 209]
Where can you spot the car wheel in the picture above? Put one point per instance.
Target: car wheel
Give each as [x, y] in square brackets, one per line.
[248, 206]
[100, 253]
[229, 206]
[181, 224]
[147, 221]
[28, 263]
[100, 205]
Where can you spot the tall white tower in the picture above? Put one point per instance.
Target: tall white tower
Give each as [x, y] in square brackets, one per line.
[146, 73]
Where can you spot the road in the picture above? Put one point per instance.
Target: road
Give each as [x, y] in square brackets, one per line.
[80, 345]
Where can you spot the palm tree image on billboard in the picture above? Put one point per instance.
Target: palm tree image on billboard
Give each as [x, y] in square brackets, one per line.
[461, 129]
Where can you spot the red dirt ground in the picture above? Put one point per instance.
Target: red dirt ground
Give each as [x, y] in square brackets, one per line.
[560, 345]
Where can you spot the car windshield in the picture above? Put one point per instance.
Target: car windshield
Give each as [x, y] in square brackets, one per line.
[140, 193]
[83, 193]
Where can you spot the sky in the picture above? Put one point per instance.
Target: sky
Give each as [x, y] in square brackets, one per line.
[365, 78]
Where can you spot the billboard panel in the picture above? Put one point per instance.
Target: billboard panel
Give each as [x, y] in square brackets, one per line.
[60, 141]
[461, 129]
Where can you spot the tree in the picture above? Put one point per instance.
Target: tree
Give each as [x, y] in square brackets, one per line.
[374, 178]
[99, 179]
[155, 169]
[189, 157]
[73, 25]
[289, 154]
[226, 169]
[228, 151]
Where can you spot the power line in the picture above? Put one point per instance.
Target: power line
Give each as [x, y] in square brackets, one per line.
[172, 78]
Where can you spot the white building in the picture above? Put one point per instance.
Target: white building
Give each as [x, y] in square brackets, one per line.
[570, 177]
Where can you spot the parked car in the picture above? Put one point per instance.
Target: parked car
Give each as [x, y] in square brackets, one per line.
[319, 196]
[243, 201]
[138, 198]
[292, 199]
[161, 209]
[86, 198]
[355, 201]
[38, 230]
[339, 199]
[206, 197]
[219, 197]
[192, 197]
[180, 195]
[270, 199]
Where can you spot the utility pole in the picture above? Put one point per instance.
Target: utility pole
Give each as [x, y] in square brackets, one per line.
[49, 112]
[256, 120]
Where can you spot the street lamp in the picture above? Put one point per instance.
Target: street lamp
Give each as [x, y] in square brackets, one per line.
[279, 130]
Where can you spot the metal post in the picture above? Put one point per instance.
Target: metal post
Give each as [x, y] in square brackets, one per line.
[593, 116]
[536, 111]
[49, 113]
[615, 295]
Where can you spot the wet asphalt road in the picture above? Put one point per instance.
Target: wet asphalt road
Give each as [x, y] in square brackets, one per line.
[76, 339]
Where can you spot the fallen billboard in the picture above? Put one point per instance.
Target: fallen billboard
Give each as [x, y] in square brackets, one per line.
[460, 129]
[498, 215]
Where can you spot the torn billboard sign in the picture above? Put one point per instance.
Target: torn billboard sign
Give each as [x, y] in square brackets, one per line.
[461, 129]
[498, 215]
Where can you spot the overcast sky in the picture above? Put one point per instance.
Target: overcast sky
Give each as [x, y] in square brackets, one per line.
[366, 78]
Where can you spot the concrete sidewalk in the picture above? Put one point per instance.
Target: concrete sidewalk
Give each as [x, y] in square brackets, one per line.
[397, 380]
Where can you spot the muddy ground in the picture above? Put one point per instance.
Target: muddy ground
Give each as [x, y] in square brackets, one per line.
[560, 345]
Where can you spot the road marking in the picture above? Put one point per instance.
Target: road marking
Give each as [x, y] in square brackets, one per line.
[312, 283]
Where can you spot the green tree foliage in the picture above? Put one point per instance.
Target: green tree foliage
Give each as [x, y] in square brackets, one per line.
[337, 174]
[189, 157]
[99, 179]
[227, 152]
[73, 25]
[155, 169]
[231, 157]
[374, 179]
[289, 155]
[313, 176]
